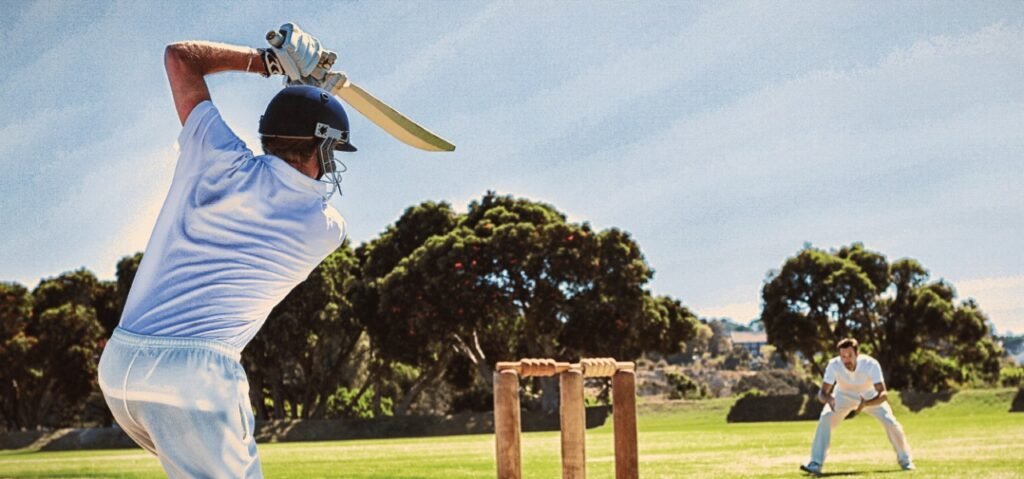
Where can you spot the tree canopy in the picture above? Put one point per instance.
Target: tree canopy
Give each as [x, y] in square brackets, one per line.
[923, 337]
[511, 278]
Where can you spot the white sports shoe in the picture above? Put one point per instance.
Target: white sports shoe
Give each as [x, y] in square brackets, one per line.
[908, 466]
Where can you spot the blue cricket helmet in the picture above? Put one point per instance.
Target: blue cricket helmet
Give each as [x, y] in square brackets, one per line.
[302, 111]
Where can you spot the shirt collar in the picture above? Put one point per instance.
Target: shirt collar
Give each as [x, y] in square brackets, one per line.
[294, 178]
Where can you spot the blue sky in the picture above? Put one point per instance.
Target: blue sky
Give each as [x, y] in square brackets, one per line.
[724, 136]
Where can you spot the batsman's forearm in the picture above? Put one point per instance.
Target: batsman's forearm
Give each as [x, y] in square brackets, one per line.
[205, 58]
[188, 63]
[879, 399]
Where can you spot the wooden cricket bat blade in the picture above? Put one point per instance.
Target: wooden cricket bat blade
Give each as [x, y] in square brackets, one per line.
[390, 120]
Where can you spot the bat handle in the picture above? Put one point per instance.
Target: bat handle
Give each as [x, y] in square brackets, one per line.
[275, 39]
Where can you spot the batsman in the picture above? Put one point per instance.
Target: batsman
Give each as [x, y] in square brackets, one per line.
[236, 233]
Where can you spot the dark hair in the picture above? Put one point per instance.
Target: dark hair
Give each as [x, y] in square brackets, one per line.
[293, 150]
[847, 343]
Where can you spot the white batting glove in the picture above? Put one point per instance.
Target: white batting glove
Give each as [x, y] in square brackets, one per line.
[301, 55]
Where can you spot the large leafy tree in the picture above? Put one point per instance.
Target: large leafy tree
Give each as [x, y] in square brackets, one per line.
[922, 336]
[512, 278]
[15, 344]
[397, 342]
[59, 345]
[301, 355]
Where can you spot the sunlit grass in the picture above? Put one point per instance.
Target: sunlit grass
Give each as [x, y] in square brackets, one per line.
[972, 435]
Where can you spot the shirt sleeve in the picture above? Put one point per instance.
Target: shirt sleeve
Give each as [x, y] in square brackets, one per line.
[830, 373]
[876, 373]
[206, 140]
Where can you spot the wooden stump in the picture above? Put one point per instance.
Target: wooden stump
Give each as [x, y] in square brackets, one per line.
[624, 411]
[507, 424]
[574, 423]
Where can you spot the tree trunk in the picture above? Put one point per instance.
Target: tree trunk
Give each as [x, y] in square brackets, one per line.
[256, 396]
[378, 409]
[549, 394]
[278, 398]
[427, 378]
[476, 355]
[371, 377]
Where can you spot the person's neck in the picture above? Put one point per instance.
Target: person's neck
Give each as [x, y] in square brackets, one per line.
[308, 168]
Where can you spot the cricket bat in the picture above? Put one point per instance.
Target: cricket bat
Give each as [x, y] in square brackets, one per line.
[378, 112]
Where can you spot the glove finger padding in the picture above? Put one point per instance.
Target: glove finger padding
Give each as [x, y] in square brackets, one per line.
[300, 53]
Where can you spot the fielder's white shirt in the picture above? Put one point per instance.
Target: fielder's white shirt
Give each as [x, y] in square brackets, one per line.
[861, 381]
[236, 233]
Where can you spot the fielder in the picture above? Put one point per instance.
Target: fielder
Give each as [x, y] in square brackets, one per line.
[236, 233]
[853, 382]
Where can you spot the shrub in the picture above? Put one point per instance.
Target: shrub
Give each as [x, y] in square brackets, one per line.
[344, 404]
[1011, 377]
[683, 387]
[777, 382]
[754, 406]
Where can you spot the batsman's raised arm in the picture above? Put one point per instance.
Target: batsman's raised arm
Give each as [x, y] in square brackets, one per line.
[187, 64]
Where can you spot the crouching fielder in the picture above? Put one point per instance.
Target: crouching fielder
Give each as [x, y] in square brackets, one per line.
[853, 382]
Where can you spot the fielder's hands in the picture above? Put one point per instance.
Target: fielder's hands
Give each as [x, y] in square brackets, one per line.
[830, 400]
[301, 56]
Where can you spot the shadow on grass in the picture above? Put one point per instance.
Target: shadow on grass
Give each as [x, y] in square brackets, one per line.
[856, 473]
[918, 401]
[789, 407]
[1018, 401]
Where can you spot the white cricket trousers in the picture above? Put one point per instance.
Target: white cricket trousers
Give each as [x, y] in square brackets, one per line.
[186, 400]
[845, 404]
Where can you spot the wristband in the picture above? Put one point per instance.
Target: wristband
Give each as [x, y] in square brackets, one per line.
[271, 62]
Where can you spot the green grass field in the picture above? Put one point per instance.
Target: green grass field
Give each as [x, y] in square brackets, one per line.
[972, 435]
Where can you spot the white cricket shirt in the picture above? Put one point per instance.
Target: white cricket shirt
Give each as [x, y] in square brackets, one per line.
[860, 381]
[236, 233]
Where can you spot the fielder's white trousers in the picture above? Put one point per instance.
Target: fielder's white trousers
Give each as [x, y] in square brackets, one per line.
[186, 400]
[845, 404]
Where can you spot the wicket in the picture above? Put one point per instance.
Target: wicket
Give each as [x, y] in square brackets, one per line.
[507, 421]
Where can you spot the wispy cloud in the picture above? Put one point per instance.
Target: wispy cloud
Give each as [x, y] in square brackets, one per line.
[739, 312]
[1002, 298]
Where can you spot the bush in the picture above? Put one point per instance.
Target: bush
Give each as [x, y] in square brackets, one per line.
[754, 406]
[777, 382]
[341, 405]
[1011, 377]
[737, 359]
[683, 387]
[934, 372]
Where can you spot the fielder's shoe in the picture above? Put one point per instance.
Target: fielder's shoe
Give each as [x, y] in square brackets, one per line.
[812, 468]
[908, 466]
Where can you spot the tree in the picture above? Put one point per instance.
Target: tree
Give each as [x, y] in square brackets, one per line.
[513, 278]
[737, 359]
[51, 345]
[15, 344]
[395, 340]
[301, 355]
[922, 337]
[720, 342]
[64, 361]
